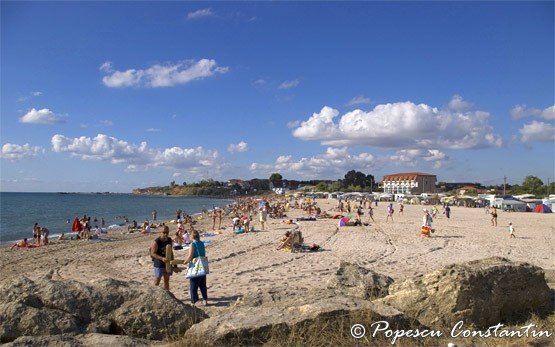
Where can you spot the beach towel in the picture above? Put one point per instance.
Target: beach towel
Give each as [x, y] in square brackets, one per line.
[343, 221]
[306, 219]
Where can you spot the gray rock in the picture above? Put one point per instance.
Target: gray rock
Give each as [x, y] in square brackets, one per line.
[81, 340]
[257, 324]
[483, 293]
[359, 282]
[47, 307]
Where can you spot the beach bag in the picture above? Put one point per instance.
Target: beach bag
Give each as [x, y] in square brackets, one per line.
[197, 267]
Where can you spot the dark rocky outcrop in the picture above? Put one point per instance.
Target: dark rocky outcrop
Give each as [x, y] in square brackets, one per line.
[482, 293]
[359, 282]
[109, 306]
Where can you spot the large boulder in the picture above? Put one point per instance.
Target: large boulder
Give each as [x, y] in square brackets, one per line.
[359, 282]
[246, 325]
[79, 340]
[109, 306]
[482, 293]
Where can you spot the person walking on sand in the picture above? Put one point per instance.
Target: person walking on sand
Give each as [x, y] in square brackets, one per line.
[401, 207]
[197, 250]
[390, 212]
[158, 255]
[447, 211]
[370, 213]
[494, 216]
[511, 231]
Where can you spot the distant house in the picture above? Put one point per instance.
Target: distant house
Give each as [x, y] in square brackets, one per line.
[409, 183]
[469, 188]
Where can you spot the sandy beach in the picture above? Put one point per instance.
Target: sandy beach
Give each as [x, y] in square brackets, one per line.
[248, 263]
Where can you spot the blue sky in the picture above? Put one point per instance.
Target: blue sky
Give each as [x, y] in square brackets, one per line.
[110, 96]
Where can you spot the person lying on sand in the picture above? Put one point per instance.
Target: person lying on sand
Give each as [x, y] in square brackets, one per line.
[21, 244]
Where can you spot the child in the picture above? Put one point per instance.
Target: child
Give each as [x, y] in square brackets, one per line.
[511, 231]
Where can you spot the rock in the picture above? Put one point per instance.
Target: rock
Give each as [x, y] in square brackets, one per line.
[359, 282]
[247, 325]
[47, 307]
[83, 340]
[483, 293]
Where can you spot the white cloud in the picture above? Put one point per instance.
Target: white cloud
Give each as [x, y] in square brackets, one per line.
[335, 161]
[153, 130]
[205, 12]
[549, 113]
[236, 148]
[413, 157]
[521, 111]
[36, 93]
[16, 152]
[293, 124]
[42, 116]
[399, 126]
[537, 132]
[358, 100]
[106, 123]
[259, 82]
[32, 94]
[138, 157]
[458, 104]
[106, 67]
[176, 174]
[289, 84]
[164, 75]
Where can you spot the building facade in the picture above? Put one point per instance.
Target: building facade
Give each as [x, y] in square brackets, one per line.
[409, 183]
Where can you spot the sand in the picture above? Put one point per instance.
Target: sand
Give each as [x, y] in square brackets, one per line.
[246, 263]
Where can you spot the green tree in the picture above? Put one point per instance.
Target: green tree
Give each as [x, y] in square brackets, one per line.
[276, 179]
[322, 187]
[532, 185]
[172, 184]
[357, 178]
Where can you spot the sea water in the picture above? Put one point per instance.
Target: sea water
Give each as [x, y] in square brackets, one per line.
[20, 211]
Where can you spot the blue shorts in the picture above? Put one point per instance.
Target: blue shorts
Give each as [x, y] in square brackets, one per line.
[160, 271]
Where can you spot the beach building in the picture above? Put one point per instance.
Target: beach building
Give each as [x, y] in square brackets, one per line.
[409, 183]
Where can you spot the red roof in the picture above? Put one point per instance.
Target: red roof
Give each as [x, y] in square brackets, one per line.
[404, 176]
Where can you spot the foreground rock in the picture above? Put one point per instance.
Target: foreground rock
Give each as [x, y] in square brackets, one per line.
[257, 324]
[359, 282]
[47, 307]
[83, 340]
[483, 293]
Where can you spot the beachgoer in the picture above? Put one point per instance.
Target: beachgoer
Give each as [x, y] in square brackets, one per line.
[447, 211]
[401, 207]
[285, 241]
[370, 213]
[36, 233]
[44, 236]
[21, 244]
[427, 219]
[154, 214]
[390, 212]
[511, 231]
[62, 237]
[494, 216]
[197, 250]
[158, 255]
[263, 213]
[103, 223]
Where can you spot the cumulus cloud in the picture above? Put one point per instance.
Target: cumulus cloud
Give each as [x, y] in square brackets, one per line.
[137, 157]
[412, 157]
[36, 93]
[289, 84]
[167, 75]
[521, 111]
[293, 124]
[358, 100]
[205, 12]
[259, 82]
[537, 132]
[42, 116]
[106, 67]
[32, 94]
[335, 161]
[236, 148]
[106, 123]
[458, 104]
[16, 152]
[399, 126]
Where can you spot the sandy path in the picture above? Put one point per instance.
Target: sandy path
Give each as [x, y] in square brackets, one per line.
[246, 263]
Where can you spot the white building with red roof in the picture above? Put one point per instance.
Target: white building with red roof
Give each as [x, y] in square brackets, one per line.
[409, 183]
